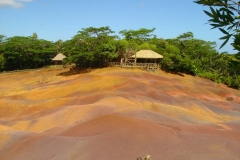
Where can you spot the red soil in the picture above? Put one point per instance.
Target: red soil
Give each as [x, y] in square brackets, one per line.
[117, 114]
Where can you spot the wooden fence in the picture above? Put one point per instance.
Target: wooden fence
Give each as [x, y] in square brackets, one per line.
[147, 66]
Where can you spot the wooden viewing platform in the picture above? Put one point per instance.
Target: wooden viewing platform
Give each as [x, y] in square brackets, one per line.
[132, 59]
[145, 66]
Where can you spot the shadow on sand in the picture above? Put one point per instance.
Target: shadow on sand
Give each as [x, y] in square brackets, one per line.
[74, 71]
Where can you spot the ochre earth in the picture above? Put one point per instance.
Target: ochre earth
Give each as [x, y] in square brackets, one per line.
[117, 114]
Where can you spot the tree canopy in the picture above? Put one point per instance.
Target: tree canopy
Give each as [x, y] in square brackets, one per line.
[91, 47]
[141, 35]
[20, 52]
[95, 47]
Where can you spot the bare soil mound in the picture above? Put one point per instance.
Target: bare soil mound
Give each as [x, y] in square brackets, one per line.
[118, 114]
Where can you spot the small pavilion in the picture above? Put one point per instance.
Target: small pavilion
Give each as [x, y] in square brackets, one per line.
[146, 59]
[58, 59]
[145, 55]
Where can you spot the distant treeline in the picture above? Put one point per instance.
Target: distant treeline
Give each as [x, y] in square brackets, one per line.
[95, 47]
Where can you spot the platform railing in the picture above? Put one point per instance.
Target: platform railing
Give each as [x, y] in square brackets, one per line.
[132, 64]
[114, 64]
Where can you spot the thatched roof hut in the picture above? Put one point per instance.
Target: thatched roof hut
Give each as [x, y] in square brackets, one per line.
[59, 57]
[147, 54]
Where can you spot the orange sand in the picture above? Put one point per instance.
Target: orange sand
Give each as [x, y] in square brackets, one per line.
[116, 113]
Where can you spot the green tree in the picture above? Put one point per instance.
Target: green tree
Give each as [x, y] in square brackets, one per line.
[34, 36]
[234, 64]
[2, 62]
[140, 36]
[147, 46]
[171, 59]
[2, 39]
[159, 45]
[27, 52]
[59, 45]
[2, 59]
[195, 54]
[224, 15]
[91, 47]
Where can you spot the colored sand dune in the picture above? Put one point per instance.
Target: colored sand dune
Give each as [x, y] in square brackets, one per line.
[117, 114]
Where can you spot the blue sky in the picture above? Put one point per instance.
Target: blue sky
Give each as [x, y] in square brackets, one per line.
[62, 19]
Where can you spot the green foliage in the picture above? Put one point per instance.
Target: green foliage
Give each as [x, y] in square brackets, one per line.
[95, 47]
[185, 54]
[210, 75]
[236, 42]
[147, 46]
[26, 52]
[91, 47]
[140, 36]
[159, 45]
[172, 59]
[235, 63]
[235, 82]
[2, 62]
[225, 17]
[189, 55]
[59, 46]
[2, 37]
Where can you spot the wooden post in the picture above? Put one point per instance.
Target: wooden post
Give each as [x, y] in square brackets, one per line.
[155, 65]
[135, 61]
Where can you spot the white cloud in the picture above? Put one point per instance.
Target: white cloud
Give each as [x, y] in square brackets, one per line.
[13, 3]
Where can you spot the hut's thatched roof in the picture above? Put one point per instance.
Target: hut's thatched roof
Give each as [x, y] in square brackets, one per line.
[148, 54]
[59, 57]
